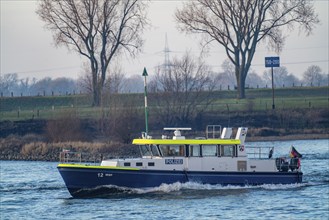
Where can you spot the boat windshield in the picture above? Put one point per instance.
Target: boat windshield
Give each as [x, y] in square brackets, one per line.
[172, 150]
[155, 150]
[145, 150]
[149, 150]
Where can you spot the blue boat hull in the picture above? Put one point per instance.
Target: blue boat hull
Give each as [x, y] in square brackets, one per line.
[78, 180]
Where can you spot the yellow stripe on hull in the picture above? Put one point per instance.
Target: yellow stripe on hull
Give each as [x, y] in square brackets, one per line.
[185, 141]
[86, 166]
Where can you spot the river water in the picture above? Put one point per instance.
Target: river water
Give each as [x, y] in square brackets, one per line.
[35, 190]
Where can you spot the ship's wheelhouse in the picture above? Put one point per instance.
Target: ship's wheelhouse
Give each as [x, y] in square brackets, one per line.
[189, 150]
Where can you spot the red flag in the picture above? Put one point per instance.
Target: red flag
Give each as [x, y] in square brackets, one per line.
[294, 153]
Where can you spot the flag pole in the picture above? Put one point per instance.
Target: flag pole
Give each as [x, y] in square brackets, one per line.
[145, 95]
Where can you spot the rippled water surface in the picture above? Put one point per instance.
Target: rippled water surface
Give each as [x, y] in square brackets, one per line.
[35, 190]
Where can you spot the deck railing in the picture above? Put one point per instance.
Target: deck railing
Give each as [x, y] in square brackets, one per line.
[79, 157]
[213, 131]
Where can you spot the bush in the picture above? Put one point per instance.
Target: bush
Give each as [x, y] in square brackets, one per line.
[89, 151]
[66, 128]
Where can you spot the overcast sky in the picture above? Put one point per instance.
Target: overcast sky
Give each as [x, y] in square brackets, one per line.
[28, 49]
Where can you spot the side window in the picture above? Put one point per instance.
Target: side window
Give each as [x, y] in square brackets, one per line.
[145, 150]
[194, 150]
[181, 151]
[155, 151]
[209, 150]
[172, 150]
[228, 150]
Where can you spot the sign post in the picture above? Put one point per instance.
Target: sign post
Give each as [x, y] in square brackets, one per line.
[272, 62]
[145, 95]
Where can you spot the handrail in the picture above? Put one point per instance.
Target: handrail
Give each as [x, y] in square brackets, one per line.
[213, 130]
[79, 157]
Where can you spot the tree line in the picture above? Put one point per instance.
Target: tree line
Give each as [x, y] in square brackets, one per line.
[12, 85]
[161, 80]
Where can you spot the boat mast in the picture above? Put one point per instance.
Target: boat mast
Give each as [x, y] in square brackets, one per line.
[145, 94]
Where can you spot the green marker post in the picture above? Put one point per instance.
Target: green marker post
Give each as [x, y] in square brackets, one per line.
[145, 95]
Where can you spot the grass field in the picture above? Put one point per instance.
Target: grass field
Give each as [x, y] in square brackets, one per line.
[22, 108]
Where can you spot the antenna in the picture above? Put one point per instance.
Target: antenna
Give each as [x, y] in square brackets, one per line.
[177, 132]
[174, 129]
[166, 61]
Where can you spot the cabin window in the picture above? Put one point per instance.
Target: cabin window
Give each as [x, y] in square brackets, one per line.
[165, 149]
[126, 164]
[195, 150]
[139, 164]
[149, 150]
[155, 150]
[151, 164]
[209, 150]
[228, 150]
[145, 150]
[172, 150]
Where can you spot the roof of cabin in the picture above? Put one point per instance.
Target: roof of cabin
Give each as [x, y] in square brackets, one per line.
[185, 141]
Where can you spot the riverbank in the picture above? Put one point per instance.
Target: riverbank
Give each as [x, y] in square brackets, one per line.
[289, 137]
[33, 148]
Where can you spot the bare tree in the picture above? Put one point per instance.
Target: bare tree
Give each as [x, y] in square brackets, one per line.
[64, 85]
[253, 80]
[133, 84]
[183, 91]
[240, 25]
[84, 82]
[114, 84]
[227, 77]
[281, 77]
[97, 30]
[313, 76]
[8, 82]
[25, 85]
[42, 85]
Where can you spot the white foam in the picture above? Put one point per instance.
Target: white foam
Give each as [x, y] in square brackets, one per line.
[282, 186]
[167, 188]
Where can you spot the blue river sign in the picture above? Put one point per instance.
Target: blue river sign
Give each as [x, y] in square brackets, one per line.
[272, 61]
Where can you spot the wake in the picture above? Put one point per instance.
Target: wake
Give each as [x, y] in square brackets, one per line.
[189, 188]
